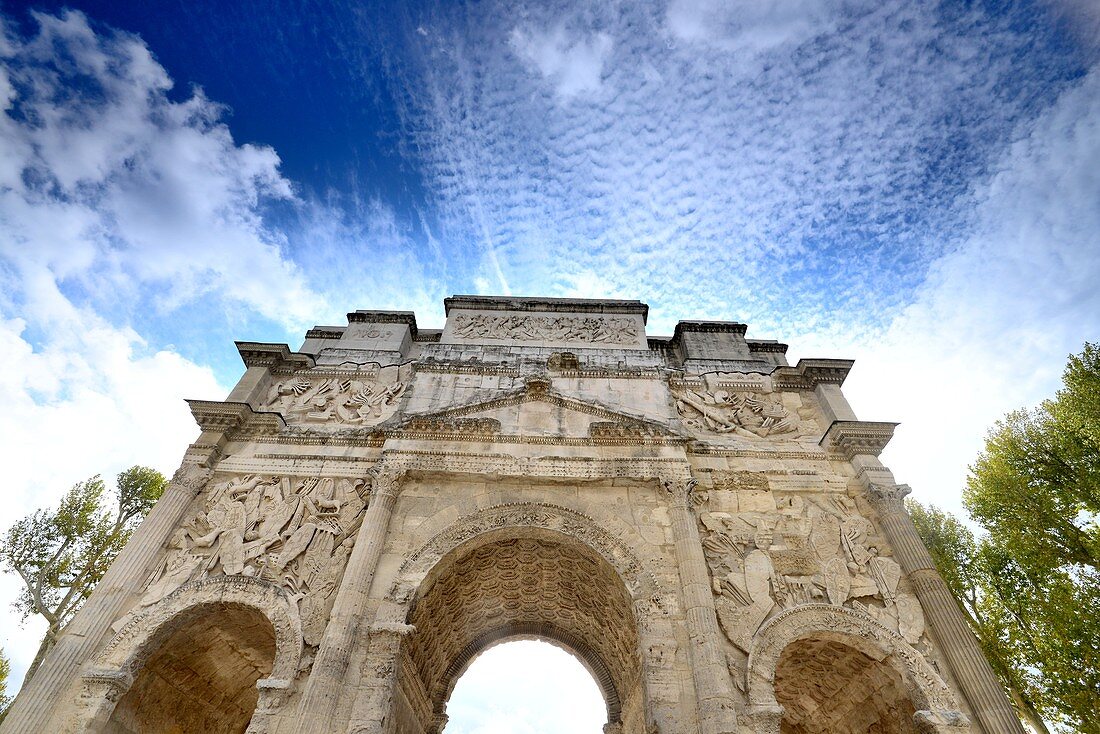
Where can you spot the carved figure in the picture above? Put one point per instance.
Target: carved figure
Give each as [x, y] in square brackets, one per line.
[753, 415]
[294, 533]
[819, 549]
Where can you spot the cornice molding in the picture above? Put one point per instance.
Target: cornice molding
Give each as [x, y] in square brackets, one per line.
[276, 357]
[809, 373]
[854, 438]
[212, 415]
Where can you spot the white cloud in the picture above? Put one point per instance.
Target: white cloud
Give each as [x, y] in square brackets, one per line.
[574, 65]
[708, 187]
[108, 182]
[749, 25]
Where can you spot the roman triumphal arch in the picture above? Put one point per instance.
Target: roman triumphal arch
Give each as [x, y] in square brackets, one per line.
[707, 528]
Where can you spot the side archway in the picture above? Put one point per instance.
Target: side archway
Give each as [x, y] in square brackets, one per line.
[254, 621]
[847, 648]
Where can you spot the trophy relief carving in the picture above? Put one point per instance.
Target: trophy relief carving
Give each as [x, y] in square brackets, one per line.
[815, 549]
[363, 399]
[740, 413]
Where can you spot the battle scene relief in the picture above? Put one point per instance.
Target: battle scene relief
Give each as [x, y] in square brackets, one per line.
[296, 533]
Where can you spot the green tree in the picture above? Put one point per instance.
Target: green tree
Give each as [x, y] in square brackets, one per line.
[61, 554]
[1030, 583]
[5, 670]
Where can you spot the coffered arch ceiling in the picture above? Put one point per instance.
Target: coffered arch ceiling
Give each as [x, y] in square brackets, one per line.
[529, 583]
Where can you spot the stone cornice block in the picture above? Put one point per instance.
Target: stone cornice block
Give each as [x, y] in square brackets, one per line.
[562, 305]
[709, 327]
[214, 415]
[809, 373]
[276, 357]
[852, 438]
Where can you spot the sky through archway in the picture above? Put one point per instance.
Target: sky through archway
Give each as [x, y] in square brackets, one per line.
[526, 687]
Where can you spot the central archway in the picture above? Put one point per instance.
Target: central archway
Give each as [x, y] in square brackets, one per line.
[515, 583]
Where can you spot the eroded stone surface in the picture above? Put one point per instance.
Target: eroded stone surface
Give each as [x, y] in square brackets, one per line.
[705, 527]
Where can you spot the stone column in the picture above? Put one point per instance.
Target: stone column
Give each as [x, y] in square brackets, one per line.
[972, 671]
[712, 680]
[44, 694]
[326, 680]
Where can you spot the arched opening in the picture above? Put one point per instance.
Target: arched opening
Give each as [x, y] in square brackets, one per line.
[526, 685]
[202, 677]
[519, 583]
[828, 687]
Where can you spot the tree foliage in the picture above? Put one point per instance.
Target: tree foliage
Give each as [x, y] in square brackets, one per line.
[61, 554]
[5, 670]
[1030, 583]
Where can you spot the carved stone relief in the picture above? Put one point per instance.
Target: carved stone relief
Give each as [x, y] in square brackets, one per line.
[810, 549]
[294, 533]
[594, 329]
[741, 413]
[364, 398]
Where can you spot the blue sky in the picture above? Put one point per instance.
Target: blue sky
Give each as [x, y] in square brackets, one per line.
[915, 185]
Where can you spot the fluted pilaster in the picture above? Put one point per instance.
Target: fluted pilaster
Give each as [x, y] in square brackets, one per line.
[712, 680]
[326, 680]
[980, 685]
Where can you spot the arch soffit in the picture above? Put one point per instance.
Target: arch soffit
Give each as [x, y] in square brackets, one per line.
[641, 585]
[854, 629]
[144, 633]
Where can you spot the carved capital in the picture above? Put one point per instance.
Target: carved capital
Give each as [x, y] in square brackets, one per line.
[437, 724]
[191, 477]
[386, 478]
[679, 491]
[888, 499]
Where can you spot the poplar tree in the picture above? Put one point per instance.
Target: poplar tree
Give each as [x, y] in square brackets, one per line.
[60, 554]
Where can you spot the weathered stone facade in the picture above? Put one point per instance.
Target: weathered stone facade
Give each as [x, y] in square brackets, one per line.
[705, 527]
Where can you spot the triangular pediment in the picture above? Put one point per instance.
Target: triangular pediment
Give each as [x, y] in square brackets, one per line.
[536, 412]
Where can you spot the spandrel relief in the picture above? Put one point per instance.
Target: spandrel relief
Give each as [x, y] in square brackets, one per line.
[593, 329]
[811, 549]
[296, 533]
[364, 398]
[713, 411]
